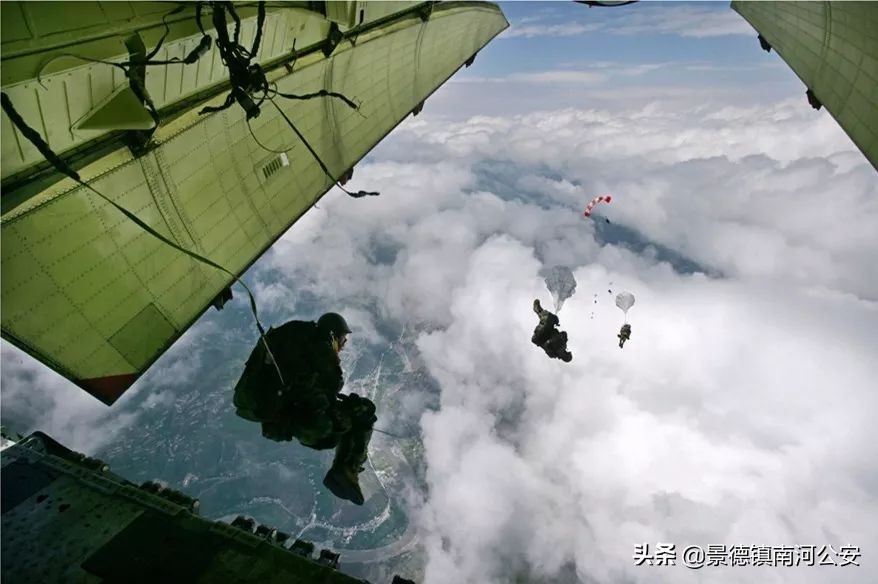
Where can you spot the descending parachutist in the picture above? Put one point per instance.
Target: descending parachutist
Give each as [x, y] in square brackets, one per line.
[624, 334]
[595, 201]
[547, 337]
[624, 300]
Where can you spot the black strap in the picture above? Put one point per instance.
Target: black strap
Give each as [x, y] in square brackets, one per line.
[358, 194]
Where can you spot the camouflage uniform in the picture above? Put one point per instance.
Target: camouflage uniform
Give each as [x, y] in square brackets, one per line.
[309, 407]
[547, 337]
[624, 334]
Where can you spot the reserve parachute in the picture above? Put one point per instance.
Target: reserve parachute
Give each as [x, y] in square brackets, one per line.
[561, 283]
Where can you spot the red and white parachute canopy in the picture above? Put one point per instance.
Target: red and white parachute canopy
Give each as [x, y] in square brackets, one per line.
[595, 201]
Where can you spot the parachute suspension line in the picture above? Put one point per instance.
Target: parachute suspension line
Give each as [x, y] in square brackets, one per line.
[625, 300]
[323, 167]
[34, 138]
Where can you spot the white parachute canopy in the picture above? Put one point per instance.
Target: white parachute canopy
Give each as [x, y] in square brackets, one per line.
[561, 283]
[625, 300]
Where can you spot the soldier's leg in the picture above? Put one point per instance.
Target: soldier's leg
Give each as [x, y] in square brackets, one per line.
[353, 446]
[311, 420]
[342, 479]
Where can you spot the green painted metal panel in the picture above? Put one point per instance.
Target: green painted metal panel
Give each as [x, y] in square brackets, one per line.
[833, 48]
[69, 88]
[80, 281]
[13, 25]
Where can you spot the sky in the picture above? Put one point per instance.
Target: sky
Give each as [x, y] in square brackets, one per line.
[741, 412]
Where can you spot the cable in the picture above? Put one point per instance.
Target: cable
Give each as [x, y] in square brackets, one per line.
[244, 77]
[356, 195]
[390, 434]
[247, 79]
[591, 3]
[263, 146]
[158, 46]
[321, 93]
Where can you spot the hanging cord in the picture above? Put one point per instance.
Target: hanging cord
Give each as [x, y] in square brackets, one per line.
[193, 55]
[133, 80]
[356, 195]
[397, 436]
[245, 78]
[592, 3]
[189, 59]
[248, 79]
[34, 137]
[134, 69]
[263, 146]
[321, 93]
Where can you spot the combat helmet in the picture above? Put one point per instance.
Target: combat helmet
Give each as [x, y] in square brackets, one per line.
[334, 323]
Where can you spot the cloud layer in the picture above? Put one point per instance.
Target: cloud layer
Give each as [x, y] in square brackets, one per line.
[36, 398]
[740, 412]
[696, 21]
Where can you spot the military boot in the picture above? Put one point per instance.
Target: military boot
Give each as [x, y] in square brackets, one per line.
[343, 481]
[343, 478]
[352, 451]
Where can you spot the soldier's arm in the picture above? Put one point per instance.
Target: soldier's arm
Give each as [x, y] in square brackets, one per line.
[331, 377]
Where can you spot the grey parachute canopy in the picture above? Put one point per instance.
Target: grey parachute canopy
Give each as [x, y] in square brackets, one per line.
[561, 283]
[625, 300]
